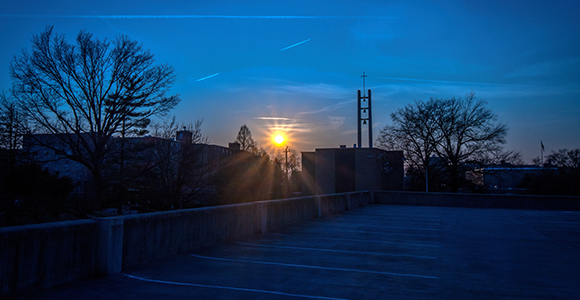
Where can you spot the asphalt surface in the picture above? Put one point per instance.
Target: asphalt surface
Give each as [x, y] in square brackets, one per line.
[375, 252]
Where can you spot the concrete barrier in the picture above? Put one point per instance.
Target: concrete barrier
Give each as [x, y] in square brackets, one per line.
[40, 256]
[567, 203]
[280, 213]
[44, 255]
[152, 236]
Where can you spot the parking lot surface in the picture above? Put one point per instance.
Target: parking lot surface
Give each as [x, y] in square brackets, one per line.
[374, 252]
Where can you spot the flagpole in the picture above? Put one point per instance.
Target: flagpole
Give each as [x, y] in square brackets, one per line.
[542, 152]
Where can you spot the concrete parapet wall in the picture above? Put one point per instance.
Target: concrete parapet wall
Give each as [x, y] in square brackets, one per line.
[331, 204]
[280, 213]
[479, 200]
[157, 235]
[40, 256]
[44, 255]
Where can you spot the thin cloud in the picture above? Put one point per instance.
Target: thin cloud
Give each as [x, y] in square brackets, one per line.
[292, 128]
[124, 17]
[326, 108]
[285, 124]
[273, 118]
[440, 81]
[336, 121]
[292, 46]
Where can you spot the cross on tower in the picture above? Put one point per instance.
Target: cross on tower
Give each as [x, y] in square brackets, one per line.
[364, 87]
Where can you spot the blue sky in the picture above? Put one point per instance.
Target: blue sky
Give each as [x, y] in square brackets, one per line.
[295, 66]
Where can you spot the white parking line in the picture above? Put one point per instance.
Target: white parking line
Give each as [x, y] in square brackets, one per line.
[405, 228]
[339, 251]
[388, 233]
[227, 288]
[389, 227]
[314, 267]
[366, 241]
[391, 215]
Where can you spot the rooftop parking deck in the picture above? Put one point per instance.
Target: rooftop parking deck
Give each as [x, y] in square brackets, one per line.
[374, 252]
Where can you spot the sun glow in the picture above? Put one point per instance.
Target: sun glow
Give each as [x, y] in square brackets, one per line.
[279, 139]
[276, 133]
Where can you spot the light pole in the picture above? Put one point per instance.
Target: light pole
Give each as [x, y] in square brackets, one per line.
[286, 173]
[280, 140]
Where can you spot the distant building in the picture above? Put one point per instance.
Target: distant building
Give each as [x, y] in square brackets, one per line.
[49, 151]
[337, 170]
[503, 178]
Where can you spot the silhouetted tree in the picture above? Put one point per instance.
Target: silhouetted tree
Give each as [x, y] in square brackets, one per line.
[498, 156]
[467, 129]
[163, 172]
[293, 163]
[289, 167]
[565, 158]
[180, 173]
[245, 139]
[13, 126]
[87, 92]
[457, 130]
[560, 176]
[414, 131]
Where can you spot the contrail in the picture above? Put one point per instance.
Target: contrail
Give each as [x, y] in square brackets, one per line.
[292, 46]
[208, 77]
[189, 17]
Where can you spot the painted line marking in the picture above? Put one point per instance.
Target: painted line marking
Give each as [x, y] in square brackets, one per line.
[401, 216]
[408, 228]
[337, 251]
[227, 288]
[388, 233]
[359, 240]
[394, 220]
[393, 215]
[314, 267]
[397, 227]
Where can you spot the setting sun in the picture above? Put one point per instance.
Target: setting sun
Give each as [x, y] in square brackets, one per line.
[279, 139]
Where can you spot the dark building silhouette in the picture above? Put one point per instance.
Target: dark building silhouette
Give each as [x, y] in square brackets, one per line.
[184, 136]
[49, 151]
[337, 170]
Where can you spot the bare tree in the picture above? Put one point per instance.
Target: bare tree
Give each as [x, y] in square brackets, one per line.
[457, 130]
[13, 126]
[13, 123]
[292, 164]
[179, 173]
[560, 175]
[414, 131]
[85, 93]
[499, 156]
[565, 158]
[169, 128]
[245, 139]
[467, 129]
